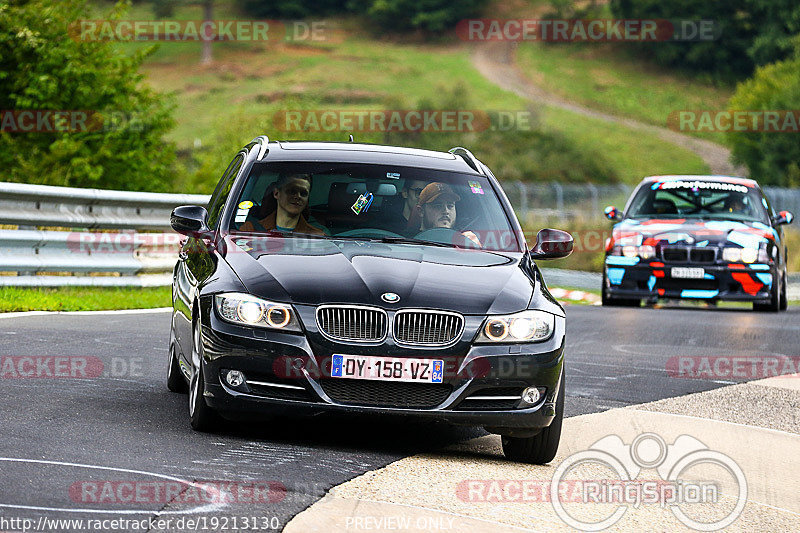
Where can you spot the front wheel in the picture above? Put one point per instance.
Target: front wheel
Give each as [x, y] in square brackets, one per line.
[542, 447]
[774, 304]
[201, 416]
[784, 301]
[175, 381]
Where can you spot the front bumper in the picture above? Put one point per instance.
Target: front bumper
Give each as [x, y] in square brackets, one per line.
[632, 278]
[296, 371]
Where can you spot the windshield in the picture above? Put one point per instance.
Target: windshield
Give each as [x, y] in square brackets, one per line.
[702, 200]
[373, 202]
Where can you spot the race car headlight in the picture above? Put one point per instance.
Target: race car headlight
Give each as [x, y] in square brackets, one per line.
[241, 308]
[647, 251]
[526, 326]
[630, 251]
[732, 255]
[749, 255]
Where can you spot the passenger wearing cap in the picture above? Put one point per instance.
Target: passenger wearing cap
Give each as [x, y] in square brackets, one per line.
[290, 198]
[436, 208]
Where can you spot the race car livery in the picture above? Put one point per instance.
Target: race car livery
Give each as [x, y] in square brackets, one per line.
[696, 237]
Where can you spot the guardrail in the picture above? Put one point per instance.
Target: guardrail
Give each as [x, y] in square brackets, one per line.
[144, 251]
[142, 254]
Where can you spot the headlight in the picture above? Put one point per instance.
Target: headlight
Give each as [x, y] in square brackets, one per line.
[245, 309]
[732, 255]
[526, 326]
[749, 255]
[630, 251]
[647, 251]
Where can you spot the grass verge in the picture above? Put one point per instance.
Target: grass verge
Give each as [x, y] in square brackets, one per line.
[82, 298]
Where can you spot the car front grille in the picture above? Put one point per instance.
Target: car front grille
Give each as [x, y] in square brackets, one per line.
[702, 255]
[680, 254]
[386, 393]
[352, 323]
[427, 328]
[673, 254]
[494, 399]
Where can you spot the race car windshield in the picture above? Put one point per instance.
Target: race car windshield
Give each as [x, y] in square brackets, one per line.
[709, 200]
[373, 202]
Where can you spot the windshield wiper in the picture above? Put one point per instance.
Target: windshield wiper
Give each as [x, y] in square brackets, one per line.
[406, 240]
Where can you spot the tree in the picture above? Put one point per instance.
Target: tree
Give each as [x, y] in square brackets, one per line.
[43, 69]
[773, 157]
[166, 9]
[426, 15]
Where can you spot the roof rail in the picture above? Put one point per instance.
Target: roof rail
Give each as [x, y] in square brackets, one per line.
[263, 143]
[468, 157]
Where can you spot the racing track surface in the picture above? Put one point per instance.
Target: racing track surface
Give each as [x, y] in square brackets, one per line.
[131, 426]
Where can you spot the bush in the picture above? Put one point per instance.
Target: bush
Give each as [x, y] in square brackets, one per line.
[751, 33]
[772, 157]
[288, 9]
[426, 15]
[42, 68]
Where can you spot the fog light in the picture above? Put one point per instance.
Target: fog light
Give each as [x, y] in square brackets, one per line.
[234, 378]
[532, 395]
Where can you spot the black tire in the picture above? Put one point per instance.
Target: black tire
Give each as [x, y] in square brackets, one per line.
[175, 380]
[784, 302]
[608, 301]
[774, 304]
[542, 447]
[201, 416]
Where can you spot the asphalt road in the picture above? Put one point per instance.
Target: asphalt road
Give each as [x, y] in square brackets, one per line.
[67, 442]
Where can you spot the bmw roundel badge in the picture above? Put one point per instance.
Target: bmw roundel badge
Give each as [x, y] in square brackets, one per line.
[390, 297]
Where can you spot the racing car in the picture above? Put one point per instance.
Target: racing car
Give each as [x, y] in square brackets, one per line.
[706, 238]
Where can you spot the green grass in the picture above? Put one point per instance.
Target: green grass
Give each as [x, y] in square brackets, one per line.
[609, 78]
[82, 298]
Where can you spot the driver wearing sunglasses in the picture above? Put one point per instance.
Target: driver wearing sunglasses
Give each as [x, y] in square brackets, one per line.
[291, 195]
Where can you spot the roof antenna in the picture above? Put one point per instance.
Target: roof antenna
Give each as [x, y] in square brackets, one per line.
[351, 137]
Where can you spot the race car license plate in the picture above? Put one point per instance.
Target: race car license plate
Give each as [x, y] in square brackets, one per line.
[387, 368]
[690, 273]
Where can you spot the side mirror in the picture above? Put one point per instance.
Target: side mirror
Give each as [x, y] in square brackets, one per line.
[190, 220]
[552, 244]
[612, 213]
[784, 217]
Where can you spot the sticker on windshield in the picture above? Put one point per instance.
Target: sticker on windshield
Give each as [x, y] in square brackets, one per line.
[246, 205]
[475, 187]
[241, 213]
[393, 175]
[362, 204]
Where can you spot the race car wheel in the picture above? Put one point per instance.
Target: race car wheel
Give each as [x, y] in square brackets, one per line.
[175, 381]
[784, 302]
[542, 447]
[201, 416]
[774, 304]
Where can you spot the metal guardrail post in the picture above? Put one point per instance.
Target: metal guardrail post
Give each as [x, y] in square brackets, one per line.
[523, 198]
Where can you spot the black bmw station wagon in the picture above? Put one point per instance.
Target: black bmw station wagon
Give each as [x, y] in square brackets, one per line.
[343, 277]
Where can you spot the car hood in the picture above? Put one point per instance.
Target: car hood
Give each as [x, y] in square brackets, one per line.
[316, 271]
[692, 232]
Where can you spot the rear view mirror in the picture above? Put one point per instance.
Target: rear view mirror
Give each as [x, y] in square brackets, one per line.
[386, 189]
[552, 244]
[612, 213]
[190, 220]
[784, 217]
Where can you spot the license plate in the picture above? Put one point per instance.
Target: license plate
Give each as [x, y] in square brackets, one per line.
[387, 368]
[690, 273]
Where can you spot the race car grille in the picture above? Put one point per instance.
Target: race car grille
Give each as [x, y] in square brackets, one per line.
[427, 328]
[386, 393]
[492, 399]
[676, 254]
[700, 255]
[352, 323]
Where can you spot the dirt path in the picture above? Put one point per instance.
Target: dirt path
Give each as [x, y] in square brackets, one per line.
[497, 63]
